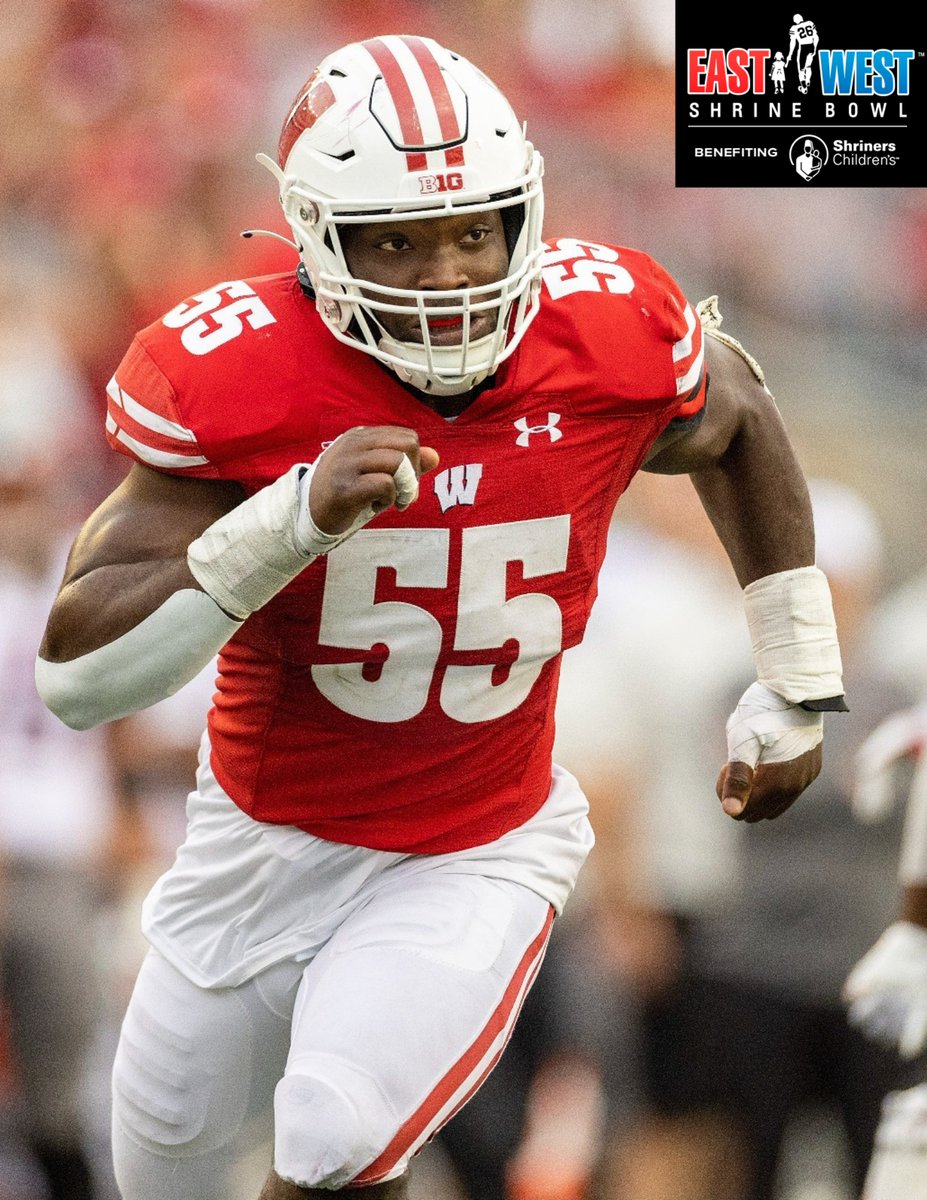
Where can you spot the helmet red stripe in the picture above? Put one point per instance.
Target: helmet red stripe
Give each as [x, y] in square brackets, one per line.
[399, 90]
[315, 97]
[444, 105]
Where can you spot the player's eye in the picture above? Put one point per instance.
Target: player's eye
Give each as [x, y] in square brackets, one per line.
[394, 242]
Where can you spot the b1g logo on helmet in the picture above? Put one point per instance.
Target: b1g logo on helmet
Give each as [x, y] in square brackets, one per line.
[451, 181]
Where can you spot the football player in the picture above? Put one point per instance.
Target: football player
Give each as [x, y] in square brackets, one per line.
[380, 488]
[886, 992]
[803, 43]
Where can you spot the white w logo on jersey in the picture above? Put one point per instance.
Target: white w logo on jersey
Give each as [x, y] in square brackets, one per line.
[457, 485]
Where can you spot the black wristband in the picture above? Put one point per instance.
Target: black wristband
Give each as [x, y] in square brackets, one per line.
[830, 704]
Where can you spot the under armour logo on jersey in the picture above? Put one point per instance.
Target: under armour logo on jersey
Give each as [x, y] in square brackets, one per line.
[524, 438]
[457, 485]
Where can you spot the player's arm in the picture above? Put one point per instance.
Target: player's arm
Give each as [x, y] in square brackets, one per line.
[744, 469]
[167, 569]
[130, 556]
[751, 485]
[914, 904]
[886, 992]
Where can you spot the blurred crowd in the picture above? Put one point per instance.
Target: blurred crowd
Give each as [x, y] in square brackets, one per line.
[687, 1028]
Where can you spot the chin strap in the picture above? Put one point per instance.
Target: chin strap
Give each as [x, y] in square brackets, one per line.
[305, 283]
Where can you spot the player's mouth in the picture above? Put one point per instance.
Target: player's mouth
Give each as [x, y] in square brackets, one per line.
[449, 330]
[446, 331]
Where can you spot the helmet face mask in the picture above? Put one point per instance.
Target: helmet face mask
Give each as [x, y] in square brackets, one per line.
[399, 128]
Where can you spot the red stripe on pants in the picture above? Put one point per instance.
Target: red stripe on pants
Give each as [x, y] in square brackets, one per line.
[418, 1122]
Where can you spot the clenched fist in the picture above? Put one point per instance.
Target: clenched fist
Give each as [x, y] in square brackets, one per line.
[363, 472]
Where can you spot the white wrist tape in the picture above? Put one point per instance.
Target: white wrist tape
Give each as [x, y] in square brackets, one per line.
[912, 867]
[247, 556]
[791, 620]
[764, 726]
[145, 665]
[314, 541]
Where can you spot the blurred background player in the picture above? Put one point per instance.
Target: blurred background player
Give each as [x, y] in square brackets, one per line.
[69, 835]
[799, 909]
[737, 939]
[886, 992]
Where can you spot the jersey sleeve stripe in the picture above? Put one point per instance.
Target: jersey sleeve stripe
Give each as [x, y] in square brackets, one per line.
[151, 455]
[685, 383]
[693, 401]
[146, 417]
[689, 357]
[683, 348]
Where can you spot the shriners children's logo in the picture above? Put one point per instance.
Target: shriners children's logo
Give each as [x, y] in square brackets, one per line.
[808, 155]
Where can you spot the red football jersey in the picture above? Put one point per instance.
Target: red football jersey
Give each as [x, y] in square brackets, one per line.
[399, 694]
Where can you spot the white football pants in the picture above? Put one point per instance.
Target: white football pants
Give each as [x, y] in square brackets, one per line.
[351, 1061]
[898, 1170]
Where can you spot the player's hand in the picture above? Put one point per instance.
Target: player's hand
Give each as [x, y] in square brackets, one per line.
[901, 736]
[886, 992]
[363, 472]
[774, 753]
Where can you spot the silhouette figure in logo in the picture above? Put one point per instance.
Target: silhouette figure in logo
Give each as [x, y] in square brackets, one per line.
[808, 163]
[803, 43]
[778, 74]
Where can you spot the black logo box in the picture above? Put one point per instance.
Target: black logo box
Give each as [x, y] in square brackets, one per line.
[723, 146]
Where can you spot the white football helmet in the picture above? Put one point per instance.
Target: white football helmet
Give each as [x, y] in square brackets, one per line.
[401, 126]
